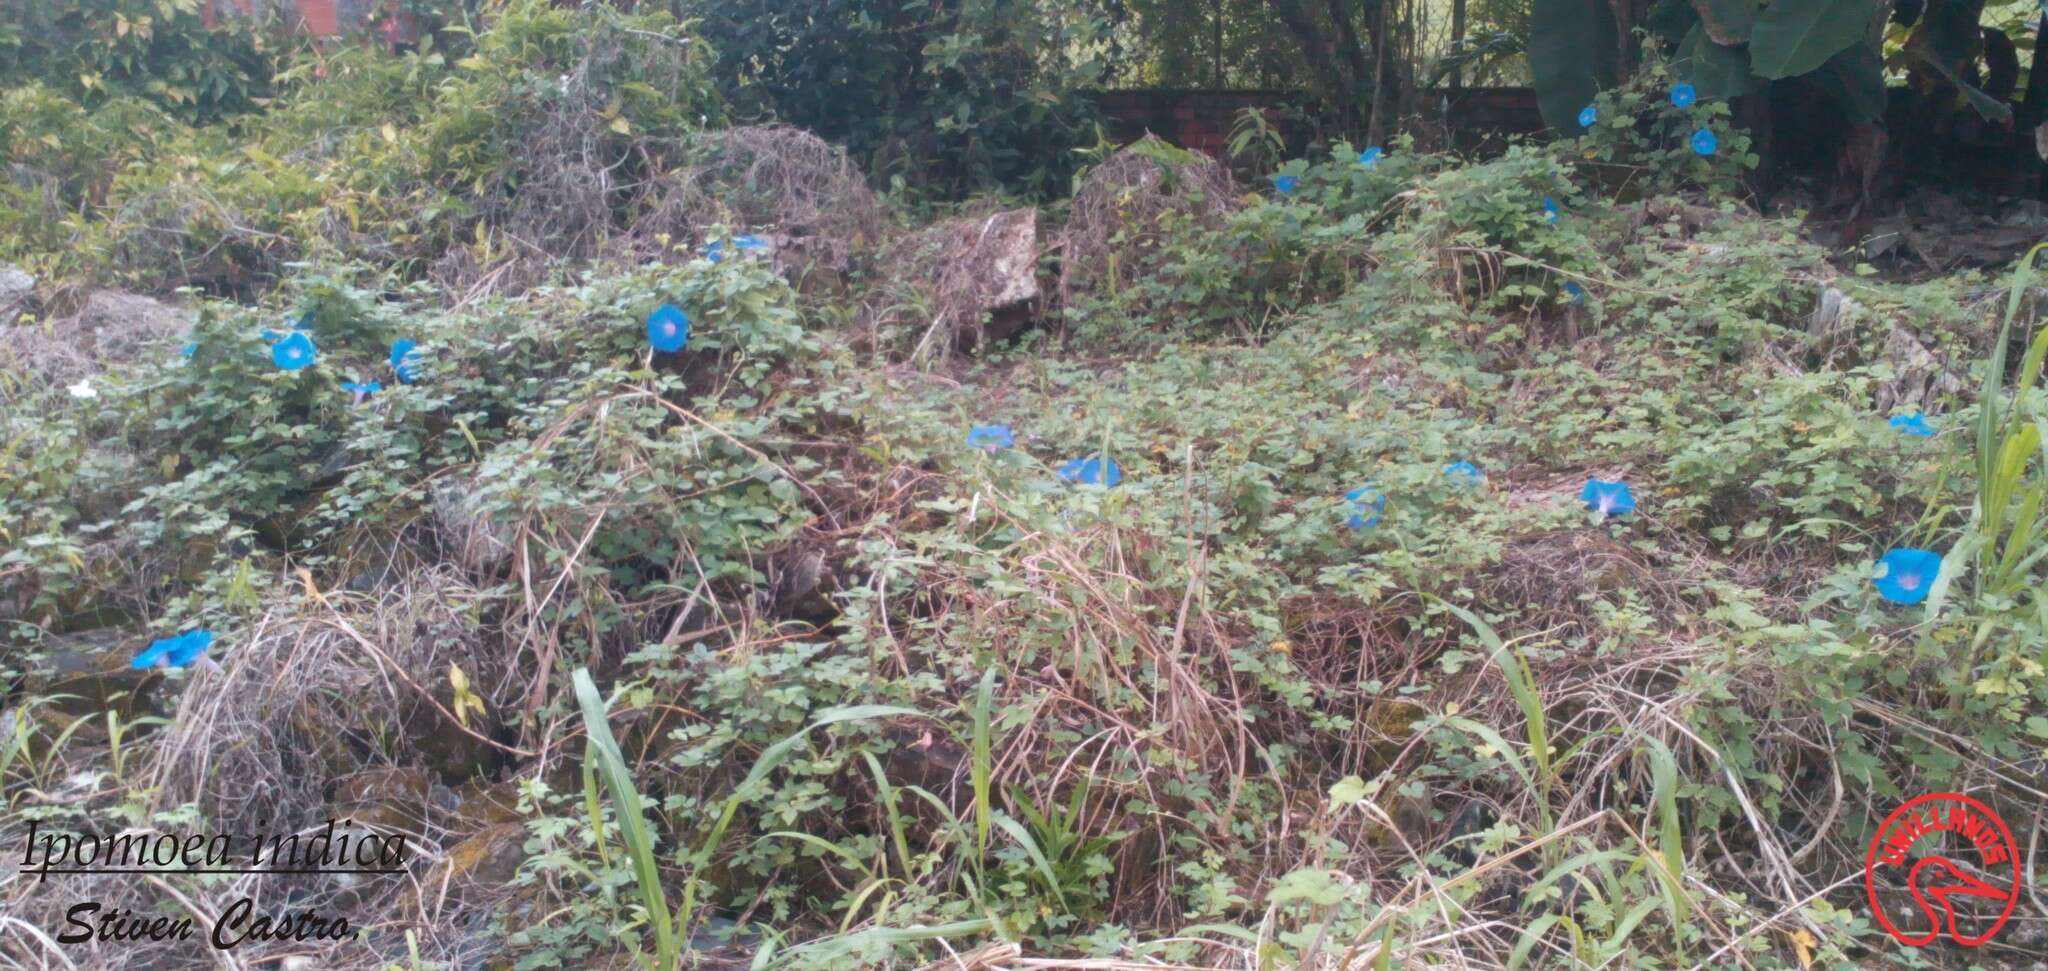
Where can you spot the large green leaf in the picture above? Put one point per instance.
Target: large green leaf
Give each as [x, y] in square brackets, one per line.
[1991, 108]
[1796, 36]
[1856, 78]
[1574, 51]
[1946, 40]
[1728, 22]
[1715, 70]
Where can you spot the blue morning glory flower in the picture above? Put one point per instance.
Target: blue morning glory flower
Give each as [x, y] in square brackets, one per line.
[400, 350]
[188, 350]
[1370, 156]
[1285, 184]
[1705, 143]
[744, 244]
[1367, 505]
[360, 390]
[1908, 575]
[1914, 424]
[1551, 210]
[1464, 473]
[1092, 471]
[1574, 291]
[668, 328]
[991, 437]
[1683, 95]
[1608, 498]
[1588, 115]
[174, 652]
[293, 352]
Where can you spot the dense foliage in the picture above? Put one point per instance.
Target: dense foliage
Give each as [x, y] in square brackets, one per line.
[812, 634]
[157, 50]
[971, 95]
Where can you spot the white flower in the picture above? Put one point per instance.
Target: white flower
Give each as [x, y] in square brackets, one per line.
[83, 389]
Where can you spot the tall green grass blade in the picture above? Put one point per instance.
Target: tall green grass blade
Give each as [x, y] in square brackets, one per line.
[595, 811]
[1521, 684]
[1997, 481]
[1670, 841]
[984, 762]
[1590, 858]
[860, 900]
[823, 845]
[1037, 855]
[887, 794]
[1626, 928]
[833, 951]
[774, 755]
[1385, 960]
[1531, 936]
[632, 820]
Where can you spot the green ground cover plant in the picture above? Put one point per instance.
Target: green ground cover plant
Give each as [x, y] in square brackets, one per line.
[772, 650]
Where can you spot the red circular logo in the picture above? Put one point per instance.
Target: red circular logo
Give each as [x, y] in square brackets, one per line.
[1939, 894]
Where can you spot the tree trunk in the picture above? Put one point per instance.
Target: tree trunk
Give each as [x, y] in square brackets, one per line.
[1458, 40]
[1216, 44]
[2033, 110]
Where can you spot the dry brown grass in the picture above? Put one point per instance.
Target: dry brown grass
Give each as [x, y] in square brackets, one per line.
[1126, 205]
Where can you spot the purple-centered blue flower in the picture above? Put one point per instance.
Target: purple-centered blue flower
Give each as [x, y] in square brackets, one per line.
[668, 328]
[293, 351]
[1574, 291]
[744, 244]
[1588, 115]
[1370, 156]
[174, 652]
[1551, 210]
[1367, 504]
[1705, 142]
[1608, 498]
[991, 437]
[1285, 184]
[360, 390]
[1908, 575]
[1683, 95]
[1092, 471]
[1464, 473]
[400, 350]
[1914, 424]
[188, 350]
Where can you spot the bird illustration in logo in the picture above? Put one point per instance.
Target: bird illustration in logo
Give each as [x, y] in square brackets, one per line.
[1938, 877]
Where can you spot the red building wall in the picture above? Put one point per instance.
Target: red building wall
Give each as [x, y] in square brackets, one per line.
[321, 18]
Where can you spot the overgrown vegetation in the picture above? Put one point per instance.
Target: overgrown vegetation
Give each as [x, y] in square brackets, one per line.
[752, 653]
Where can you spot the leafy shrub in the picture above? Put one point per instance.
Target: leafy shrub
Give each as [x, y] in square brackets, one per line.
[61, 160]
[160, 51]
[1640, 128]
[552, 129]
[965, 96]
